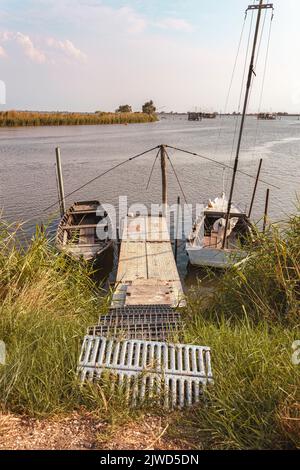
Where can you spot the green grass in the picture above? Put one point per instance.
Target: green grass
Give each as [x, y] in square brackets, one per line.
[250, 323]
[28, 118]
[46, 304]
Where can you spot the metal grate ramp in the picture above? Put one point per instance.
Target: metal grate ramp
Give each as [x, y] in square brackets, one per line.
[148, 322]
[136, 330]
[175, 372]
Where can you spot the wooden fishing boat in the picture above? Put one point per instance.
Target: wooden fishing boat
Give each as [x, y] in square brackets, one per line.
[205, 243]
[83, 231]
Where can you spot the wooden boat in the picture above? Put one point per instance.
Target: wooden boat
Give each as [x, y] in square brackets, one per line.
[83, 231]
[204, 245]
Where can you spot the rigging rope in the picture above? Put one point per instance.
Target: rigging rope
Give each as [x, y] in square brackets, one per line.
[241, 94]
[92, 180]
[152, 169]
[177, 178]
[231, 81]
[220, 164]
[264, 79]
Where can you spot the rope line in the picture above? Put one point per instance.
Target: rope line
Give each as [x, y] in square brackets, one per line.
[231, 81]
[152, 169]
[177, 178]
[220, 164]
[241, 94]
[92, 180]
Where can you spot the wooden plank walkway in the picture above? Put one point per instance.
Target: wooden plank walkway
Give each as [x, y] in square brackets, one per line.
[147, 271]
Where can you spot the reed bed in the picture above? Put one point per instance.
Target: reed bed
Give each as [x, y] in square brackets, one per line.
[26, 118]
[250, 323]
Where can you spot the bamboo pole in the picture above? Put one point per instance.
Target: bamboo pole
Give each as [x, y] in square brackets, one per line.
[255, 188]
[177, 226]
[266, 210]
[61, 192]
[163, 179]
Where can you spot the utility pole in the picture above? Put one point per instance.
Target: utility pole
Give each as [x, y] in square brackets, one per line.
[259, 9]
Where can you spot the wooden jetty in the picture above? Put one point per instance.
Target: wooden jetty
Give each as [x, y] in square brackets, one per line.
[147, 272]
[137, 340]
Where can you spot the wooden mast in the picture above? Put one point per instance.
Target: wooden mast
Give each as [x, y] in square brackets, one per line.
[259, 7]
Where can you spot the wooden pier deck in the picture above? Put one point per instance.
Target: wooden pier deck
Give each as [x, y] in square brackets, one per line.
[147, 272]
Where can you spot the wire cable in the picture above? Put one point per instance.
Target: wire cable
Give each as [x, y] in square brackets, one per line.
[92, 180]
[220, 164]
[152, 169]
[178, 180]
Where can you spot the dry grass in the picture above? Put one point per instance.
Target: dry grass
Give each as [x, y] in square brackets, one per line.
[27, 118]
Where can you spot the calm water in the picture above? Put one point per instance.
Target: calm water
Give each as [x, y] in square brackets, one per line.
[28, 181]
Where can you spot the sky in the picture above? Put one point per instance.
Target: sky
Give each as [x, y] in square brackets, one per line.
[87, 55]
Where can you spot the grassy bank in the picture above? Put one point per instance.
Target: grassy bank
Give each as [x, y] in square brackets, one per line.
[250, 322]
[24, 118]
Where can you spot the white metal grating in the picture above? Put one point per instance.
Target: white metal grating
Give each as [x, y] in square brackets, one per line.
[177, 372]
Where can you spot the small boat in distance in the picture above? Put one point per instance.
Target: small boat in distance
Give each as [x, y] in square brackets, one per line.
[267, 116]
[83, 231]
[204, 245]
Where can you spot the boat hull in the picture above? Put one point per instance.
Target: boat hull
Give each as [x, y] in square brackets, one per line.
[88, 253]
[214, 257]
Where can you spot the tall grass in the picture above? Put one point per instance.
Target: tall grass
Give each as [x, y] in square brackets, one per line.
[27, 118]
[250, 323]
[46, 303]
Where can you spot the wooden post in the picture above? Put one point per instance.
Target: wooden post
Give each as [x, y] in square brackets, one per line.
[176, 232]
[60, 183]
[118, 241]
[255, 188]
[163, 179]
[266, 210]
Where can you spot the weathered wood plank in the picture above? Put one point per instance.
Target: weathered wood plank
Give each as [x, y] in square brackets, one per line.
[147, 271]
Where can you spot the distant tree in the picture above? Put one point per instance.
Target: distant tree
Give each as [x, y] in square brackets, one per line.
[149, 107]
[124, 108]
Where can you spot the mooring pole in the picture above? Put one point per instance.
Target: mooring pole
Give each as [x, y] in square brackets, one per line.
[177, 226]
[266, 210]
[248, 87]
[163, 179]
[60, 183]
[255, 188]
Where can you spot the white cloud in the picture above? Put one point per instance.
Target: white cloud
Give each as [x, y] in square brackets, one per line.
[176, 24]
[45, 51]
[67, 47]
[26, 44]
[135, 22]
[35, 54]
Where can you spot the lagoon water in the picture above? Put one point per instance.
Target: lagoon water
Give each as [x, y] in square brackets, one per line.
[28, 179]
